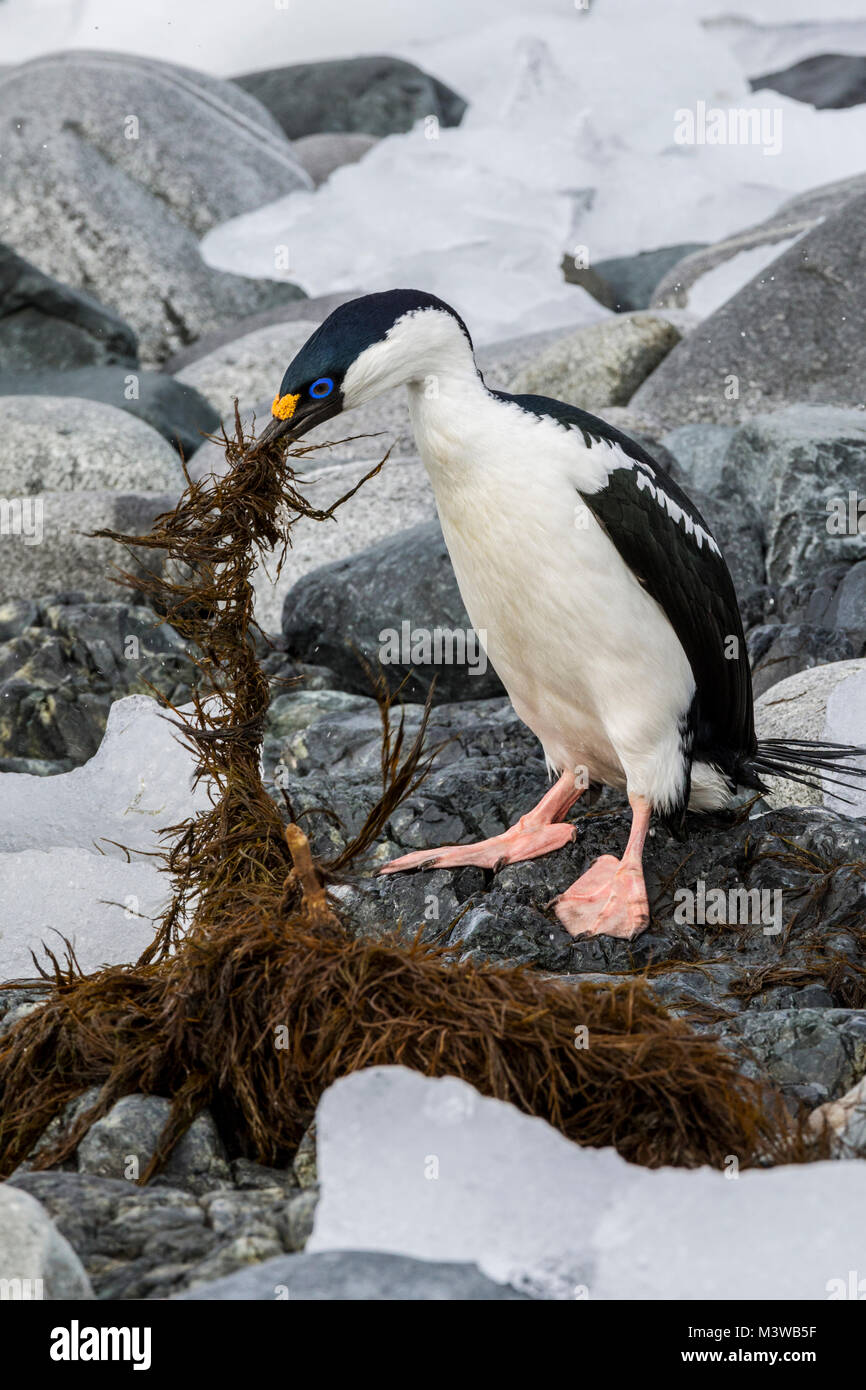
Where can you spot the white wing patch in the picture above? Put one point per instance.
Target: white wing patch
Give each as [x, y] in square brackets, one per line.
[674, 510]
[647, 481]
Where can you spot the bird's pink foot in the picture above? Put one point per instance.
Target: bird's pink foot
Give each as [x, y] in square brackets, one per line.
[538, 832]
[608, 900]
[509, 848]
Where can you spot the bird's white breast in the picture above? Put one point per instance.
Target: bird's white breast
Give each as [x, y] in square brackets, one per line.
[588, 658]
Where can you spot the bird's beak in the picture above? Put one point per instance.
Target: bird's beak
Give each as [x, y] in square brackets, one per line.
[275, 429]
[294, 421]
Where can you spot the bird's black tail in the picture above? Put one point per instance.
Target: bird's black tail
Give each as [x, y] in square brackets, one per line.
[814, 764]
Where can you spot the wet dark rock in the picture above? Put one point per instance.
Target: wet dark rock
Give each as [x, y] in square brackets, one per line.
[812, 1054]
[790, 335]
[154, 1241]
[64, 659]
[847, 609]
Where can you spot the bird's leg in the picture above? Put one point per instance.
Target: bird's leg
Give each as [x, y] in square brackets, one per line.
[538, 832]
[610, 898]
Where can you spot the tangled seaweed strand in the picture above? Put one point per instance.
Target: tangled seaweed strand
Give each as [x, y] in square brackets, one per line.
[254, 997]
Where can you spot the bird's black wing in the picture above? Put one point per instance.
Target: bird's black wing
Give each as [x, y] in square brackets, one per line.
[653, 525]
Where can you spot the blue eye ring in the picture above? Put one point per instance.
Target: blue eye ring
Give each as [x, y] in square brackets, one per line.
[322, 387]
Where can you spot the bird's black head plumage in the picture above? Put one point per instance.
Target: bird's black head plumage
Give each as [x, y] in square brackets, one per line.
[311, 390]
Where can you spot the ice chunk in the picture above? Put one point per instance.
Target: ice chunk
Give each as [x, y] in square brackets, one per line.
[428, 1168]
[63, 869]
[138, 781]
[103, 906]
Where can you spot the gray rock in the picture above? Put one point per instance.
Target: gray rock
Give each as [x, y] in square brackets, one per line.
[247, 367]
[798, 215]
[312, 310]
[121, 1144]
[122, 1233]
[63, 663]
[63, 555]
[809, 600]
[68, 444]
[44, 323]
[813, 1055]
[700, 452]
[336, 615]
[321, 154]
[828, 81]
[800, 467]
[602, 364]
[35, 1260]
[156, 279]
[780, 650]
[359, 1276]
[201, 146]
[847, 610]
[173, 408]
[736, 524]
[375, 95]
[791, 334]
[624, 283]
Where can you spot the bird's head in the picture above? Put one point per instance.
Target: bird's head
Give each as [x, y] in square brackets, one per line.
[366, 347]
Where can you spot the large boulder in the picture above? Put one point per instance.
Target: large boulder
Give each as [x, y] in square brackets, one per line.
[828, 81]
[57, 445]
[373, 95]
[123, 216]
[600, 365]
[203, 147]
[36, 1261]
[179, 412]
[387, 604]
[790, 335]
[44, 323]
[46, 545]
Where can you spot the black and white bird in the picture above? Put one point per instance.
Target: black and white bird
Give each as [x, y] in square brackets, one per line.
[602, 598]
